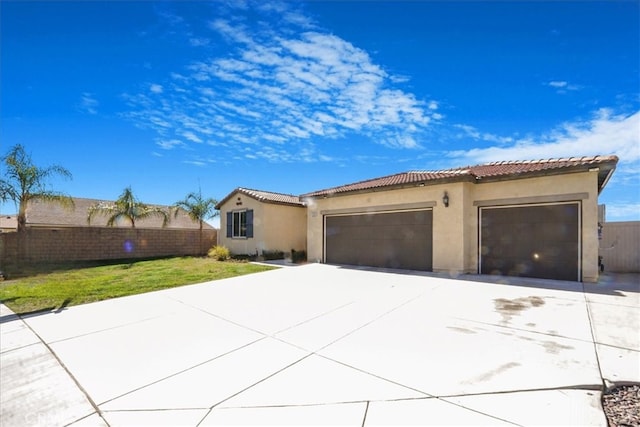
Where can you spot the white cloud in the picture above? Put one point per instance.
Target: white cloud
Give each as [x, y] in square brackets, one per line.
[199, 41]
[282, 84]
[622, 210]
[169, 144]
[198, 163]
[232, 33]
[604, 133]
[563, 86]
[191, 137]
[88, 103]
[156, 88]
[473, 133]
[558, 84]
[399, 79]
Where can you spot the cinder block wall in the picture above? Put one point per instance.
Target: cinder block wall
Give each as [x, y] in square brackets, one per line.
[620, 247]
[37, 245]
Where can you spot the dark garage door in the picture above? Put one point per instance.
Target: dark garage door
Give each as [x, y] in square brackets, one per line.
[391, 240]
[533, 241]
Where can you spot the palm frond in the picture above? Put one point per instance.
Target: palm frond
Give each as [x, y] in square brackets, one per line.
[128, 207]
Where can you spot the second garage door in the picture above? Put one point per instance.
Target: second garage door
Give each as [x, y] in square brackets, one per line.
[388, 239]
[534, 241]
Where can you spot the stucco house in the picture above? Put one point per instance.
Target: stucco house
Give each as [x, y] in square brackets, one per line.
[8, 223]
[253, 221]
[517, 218]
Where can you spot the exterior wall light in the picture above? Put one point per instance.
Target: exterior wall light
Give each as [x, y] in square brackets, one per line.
[239, 202]
[445, 200]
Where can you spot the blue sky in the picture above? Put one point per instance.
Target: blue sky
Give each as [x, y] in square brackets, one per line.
[297, 96]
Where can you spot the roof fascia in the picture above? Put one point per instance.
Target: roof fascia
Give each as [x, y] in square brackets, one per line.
[425, 183]
[226, 199]
[607, 172]
[541, 173]
[271, 202]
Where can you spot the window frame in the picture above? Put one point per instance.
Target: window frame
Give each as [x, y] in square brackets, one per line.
[238, 228]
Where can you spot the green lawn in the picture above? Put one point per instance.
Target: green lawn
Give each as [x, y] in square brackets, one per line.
[51, 288]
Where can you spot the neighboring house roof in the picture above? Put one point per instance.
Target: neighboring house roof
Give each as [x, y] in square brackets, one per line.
[8, 222]
[264, 196]
[495, 171]
[41, 214]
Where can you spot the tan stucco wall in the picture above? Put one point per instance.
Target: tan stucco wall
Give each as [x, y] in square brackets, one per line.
[285, 227]
[455, 228]
[275, 227]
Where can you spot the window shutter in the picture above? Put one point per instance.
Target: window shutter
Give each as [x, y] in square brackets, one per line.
[249, 223]
[229, 224]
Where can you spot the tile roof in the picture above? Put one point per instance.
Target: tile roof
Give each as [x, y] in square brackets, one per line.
[8, 222]
[264, 196]
[477, 173]
[41, 214]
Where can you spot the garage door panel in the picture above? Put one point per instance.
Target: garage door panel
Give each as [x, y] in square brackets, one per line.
[392, 240]
[533, 241]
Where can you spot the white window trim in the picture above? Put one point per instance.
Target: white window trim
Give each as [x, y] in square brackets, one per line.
[233, 223]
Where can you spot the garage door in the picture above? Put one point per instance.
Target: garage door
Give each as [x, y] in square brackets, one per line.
[390, 239]
[533, 241]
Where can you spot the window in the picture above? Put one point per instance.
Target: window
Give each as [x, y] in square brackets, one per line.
[240, 224]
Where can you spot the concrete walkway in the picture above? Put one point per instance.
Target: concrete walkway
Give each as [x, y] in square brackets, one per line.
[326, 345]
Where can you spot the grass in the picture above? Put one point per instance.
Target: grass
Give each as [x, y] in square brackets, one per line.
[55, 287]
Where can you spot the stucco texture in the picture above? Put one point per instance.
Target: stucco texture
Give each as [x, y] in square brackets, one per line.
[275, 226]
[455, 228]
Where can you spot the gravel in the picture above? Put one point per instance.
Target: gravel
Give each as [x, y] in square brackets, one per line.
[622, 406]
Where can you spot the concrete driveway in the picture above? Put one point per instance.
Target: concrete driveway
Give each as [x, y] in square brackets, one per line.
[326, 345]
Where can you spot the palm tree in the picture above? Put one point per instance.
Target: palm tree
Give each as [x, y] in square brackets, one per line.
[25, 182]
[198, 208]
[126, 207]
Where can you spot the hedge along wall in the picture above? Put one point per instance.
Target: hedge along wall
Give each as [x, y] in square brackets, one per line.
[37, 245]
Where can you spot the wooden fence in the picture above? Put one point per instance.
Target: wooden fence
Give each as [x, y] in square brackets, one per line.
[41, 245]
[620, 247]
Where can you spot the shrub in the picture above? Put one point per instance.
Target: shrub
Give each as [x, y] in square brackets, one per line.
[244, 257]
[271, 255]
[219, 253]
[298, 256]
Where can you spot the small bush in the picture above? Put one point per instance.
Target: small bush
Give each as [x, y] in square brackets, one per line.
[272, 255]
[219, 253]
[298, 256]
[244, 257]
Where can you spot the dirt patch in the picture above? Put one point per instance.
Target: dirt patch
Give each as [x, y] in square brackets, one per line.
[554, 347]
[510, 307]
[461, 330]
[499, 370]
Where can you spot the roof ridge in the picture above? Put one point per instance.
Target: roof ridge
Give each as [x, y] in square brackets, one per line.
[359, 182]
[549, 160]
[456, 171]
[266, 191]
[494, 170]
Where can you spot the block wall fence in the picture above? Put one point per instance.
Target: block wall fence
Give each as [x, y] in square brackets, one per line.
[39, 245]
